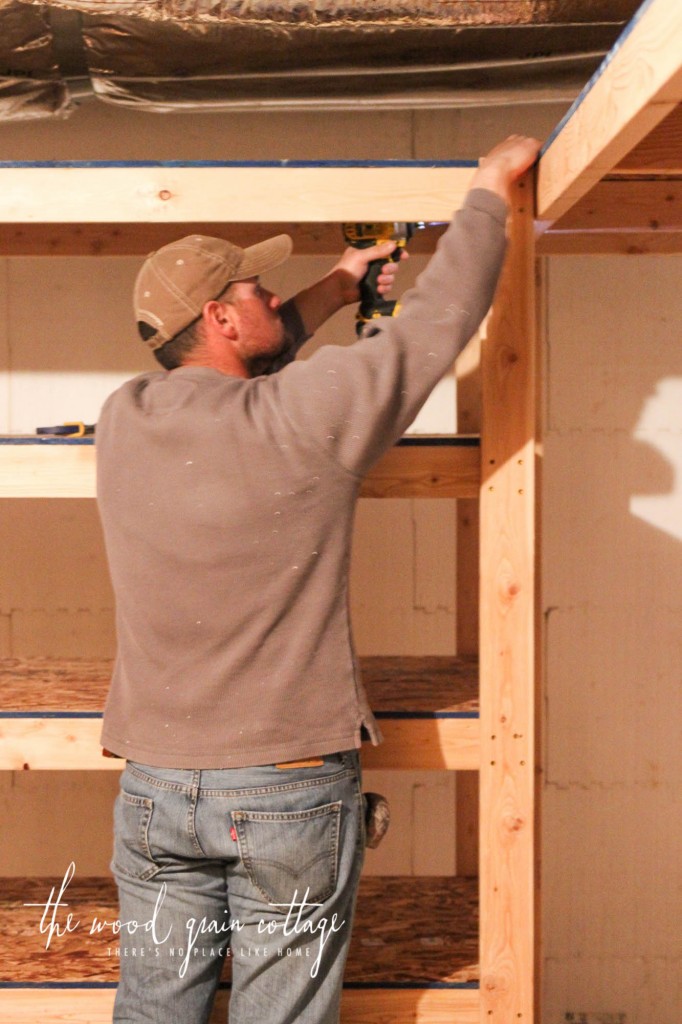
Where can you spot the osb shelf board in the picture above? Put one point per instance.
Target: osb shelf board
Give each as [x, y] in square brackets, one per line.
[421, 931]
[49, 684]
[396, 686]
[437, 685]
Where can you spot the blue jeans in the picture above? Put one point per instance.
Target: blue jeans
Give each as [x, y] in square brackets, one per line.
[259, 865]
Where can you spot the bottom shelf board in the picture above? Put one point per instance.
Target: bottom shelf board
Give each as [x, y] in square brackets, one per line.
[378, 1006]
[413, 957]
[407, 931]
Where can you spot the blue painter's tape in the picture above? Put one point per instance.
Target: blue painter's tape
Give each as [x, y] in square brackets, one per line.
[426, 714]
[429, 441]
[96, 164]
[76, 985]
[368, 985]
[377, 714]
[51, 714]
[45, 439]
[414, 440]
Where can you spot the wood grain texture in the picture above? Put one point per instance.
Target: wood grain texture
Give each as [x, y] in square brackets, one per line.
[660, 152]
[407, 929]
[418, 1006]
[641, 85]
[72, 744]
[426, 1006]
[468, 377]
[609, 243]
[413, 473]
[54, 684]
[468, 374]
[258, 195]
[68, 471]
[140, 239]
[60, 744]
[423, 684]
[47, 471]
[507, 650]
[435, 745]
[627, 206]
[27, 1006]
[400, 686]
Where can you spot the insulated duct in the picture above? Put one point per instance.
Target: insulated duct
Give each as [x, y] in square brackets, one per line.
[192, 67]
[204, 55]
[361, 13]
[31, 85]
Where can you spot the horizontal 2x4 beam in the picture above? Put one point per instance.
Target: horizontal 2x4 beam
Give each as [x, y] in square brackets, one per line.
[68, 471]
[639, 83]
[175, 193]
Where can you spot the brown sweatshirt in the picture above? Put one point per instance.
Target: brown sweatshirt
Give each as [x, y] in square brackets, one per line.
[227, 507]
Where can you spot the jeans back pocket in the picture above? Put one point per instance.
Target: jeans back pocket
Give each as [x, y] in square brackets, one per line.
[132, 856]
[289, 853]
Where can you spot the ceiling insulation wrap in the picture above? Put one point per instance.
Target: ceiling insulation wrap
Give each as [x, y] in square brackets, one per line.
[30, 81]
[192, 66]
[201, 55]
[443, 13]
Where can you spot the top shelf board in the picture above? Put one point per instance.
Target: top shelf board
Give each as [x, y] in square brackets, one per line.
[637, 88]
[213, 192]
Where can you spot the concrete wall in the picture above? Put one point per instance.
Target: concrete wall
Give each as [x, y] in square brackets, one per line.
[613, 600]
[611, 572]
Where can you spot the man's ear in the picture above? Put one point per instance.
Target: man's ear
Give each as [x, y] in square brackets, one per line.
[220, 316]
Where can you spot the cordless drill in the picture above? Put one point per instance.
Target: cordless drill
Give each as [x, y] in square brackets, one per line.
[362, 236]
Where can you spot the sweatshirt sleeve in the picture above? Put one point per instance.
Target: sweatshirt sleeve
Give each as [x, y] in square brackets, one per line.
[355, 401]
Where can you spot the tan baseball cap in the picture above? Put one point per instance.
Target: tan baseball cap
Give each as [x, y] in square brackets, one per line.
[176, 280]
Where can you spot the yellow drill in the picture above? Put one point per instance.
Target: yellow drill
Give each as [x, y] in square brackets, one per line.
[362, 236]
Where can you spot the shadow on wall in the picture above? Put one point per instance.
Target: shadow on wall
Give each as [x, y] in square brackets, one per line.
[613, 597]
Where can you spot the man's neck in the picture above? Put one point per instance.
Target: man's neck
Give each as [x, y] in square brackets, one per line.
[224, 361]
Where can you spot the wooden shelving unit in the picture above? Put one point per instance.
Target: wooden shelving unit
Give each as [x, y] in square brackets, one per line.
[594, 194]
[428, 707]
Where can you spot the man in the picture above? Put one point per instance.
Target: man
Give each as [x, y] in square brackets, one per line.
[226, 493]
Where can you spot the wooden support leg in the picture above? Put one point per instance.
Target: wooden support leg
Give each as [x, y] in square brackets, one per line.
[508, 633]
[468, 370]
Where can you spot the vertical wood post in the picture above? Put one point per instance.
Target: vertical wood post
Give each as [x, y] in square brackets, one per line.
[508, 632]
[468, 375]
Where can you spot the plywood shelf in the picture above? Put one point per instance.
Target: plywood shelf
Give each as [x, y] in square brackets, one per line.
[32, 467]
[413, 957]
[51, 710]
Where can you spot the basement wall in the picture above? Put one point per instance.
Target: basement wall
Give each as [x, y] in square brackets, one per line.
[612, 555]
